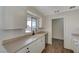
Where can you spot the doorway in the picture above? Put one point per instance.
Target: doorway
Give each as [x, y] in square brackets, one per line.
[58, 28]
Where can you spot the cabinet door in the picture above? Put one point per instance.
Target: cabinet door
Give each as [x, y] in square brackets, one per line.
[43, 43]
[35, 47]
[20, 17]
[8, 17]
[14, 17]
[76, 45]
[23, 50]
[1, 16]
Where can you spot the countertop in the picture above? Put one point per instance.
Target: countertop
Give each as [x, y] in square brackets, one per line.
[75, 34]
[18, 43]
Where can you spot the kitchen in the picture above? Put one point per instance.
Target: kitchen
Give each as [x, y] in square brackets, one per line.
[28, 29]
[14, 26]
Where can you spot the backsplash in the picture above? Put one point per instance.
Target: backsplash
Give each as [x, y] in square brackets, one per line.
[6, 34]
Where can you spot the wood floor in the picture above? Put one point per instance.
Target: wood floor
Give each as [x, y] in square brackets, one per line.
[56, 47]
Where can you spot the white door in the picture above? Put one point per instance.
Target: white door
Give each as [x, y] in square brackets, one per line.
[57, 28]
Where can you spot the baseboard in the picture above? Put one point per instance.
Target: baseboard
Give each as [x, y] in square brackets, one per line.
[69, 49]
[57, 39]
[45, 47]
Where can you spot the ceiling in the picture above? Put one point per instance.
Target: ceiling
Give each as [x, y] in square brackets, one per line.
[50, 10]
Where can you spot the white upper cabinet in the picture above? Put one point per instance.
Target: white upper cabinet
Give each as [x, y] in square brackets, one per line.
[1, 9]
[14, 17]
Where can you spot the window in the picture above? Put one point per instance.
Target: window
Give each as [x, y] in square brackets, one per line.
[32, 24]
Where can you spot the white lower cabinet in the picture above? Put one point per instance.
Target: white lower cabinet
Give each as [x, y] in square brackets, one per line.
[42, 44]
[35, 47]
[76, 45]
[23, 50]
[14, 17]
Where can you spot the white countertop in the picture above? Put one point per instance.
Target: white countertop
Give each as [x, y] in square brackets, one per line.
[75, 34]
[19, 43]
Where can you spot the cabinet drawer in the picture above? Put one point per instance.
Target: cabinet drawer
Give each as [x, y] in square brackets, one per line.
[35, 46]
[23, 50]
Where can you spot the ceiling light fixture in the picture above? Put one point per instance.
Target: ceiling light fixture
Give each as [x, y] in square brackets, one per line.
[56, 11]
[72, 7]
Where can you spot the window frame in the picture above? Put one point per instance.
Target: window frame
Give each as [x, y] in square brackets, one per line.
[32, 17]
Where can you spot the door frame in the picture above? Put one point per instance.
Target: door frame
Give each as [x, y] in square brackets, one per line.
[63, 25]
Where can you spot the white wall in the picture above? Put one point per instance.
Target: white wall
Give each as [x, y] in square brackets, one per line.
[48, 28]
[58, 28]
[71, 23]
[4, 35]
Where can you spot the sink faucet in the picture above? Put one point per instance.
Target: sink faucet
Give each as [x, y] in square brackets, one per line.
[33, 33]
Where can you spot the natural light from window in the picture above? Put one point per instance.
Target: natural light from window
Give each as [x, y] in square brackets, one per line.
[31, 24]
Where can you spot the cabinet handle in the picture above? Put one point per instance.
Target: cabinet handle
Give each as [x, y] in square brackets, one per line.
[27, 48]
[28, 51]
